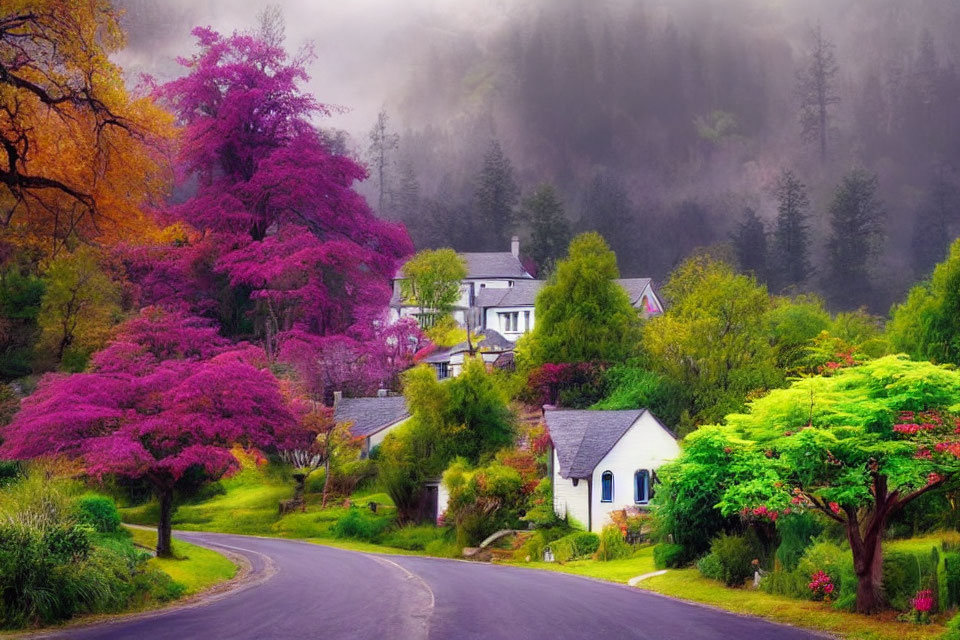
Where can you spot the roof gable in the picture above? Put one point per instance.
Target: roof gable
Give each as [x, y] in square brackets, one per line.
[370, 415]
[491, 264]
[583, 437]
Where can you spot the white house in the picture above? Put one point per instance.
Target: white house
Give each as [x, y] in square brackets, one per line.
[604, 461]
[498, 298]
[371, 418]
[493, 348]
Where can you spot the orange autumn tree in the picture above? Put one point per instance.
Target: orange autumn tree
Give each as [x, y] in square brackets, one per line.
[79, 155]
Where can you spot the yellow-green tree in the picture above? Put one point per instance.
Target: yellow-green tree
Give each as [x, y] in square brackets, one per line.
[80, 303]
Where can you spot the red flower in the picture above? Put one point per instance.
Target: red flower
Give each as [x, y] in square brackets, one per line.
[835, 507]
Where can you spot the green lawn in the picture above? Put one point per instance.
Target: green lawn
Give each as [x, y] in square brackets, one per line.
[194, 567]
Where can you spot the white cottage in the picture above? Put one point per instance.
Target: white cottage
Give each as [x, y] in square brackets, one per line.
[604, 461]
[371, 418]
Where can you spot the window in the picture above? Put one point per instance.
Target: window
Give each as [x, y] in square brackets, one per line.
[509, 321]
[526, 321]
[443, 370]
[641, 486]
[606, 487]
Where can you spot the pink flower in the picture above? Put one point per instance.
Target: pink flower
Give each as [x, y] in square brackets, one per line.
[923, 602]
[835, 507]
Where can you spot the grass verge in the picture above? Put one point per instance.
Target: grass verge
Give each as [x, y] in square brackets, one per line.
[196, 568]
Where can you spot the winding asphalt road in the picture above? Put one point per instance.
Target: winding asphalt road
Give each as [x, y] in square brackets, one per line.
[301, 590]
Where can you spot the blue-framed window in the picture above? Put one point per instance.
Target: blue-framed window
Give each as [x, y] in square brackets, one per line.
[641, 486]
[606, 487]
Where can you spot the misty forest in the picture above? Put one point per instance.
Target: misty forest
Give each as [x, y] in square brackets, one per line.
[815, 143]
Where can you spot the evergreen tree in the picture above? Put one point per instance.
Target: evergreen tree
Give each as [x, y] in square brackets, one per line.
[607, 210]
[582, 314]
[496, 195]
[935, 224]
[549, 229]
[382, 144]
[791, 261]
[750, 242]
[816, 89]
[856, 228]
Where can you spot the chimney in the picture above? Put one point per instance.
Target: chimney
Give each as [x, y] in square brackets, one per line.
[337, 397]
[381, 393]
[515, 246]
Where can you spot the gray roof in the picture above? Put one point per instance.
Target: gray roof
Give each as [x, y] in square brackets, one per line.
[492, 342]
[634, 288]
[583, 437]
[370, 415]
[523, 293]
[493, 264]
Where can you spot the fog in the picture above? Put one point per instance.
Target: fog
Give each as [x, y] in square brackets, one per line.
[688, 108]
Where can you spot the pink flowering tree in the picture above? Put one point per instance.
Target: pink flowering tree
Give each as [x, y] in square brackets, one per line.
[272, 196]
[854, 446]
[168, 396]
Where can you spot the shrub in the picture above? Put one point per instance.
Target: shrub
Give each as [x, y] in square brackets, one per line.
[735, 555]
[668, 556]
[796, 535]
[709, 567]
[905, 572]
[414, 537]
[575, 545]
[361, 525]
[9, 471]
[100, 512]
[951, 565]
[612, 545]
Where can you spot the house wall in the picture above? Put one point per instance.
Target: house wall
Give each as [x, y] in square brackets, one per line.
[493, 321]
[568, 499]
[645, 445]
[443, 498]
[378, 437]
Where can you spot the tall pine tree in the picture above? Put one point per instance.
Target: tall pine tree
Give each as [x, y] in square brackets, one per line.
[935, 224]
[750, 243]
[816, 89]
[496, 195]
[856, 230]
[791, 241]
[549, 228]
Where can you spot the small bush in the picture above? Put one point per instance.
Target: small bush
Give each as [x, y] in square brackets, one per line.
[9, 471]
[709, 567]
[668, 556]
[612, 545]
[414, 538]
[100, 512]
[951, 565]
[906, 572]
[361, 525]
[579, 544]
[796, 535]
[735, 556]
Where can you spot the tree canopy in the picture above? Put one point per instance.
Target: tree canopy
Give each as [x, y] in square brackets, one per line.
[855, 446]
[582, 314]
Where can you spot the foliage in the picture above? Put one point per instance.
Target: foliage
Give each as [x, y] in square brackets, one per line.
[432, 280]
[612, 545]
[791, 237]
[796, 535]
[634, 386]
[414, 537]
[856, 226]
[549, 228]
[582, 314]
[575, 385]
[578, 544]
[260, 164]
[667, 555]
[81, 155]
[20, 295]
[735, 555]
[165, 375]
[712, 340]
[750, 244]
[52, 567]
[482, 500]
[793, 323]
[541, 512]
[855, 446]
[927, 324]
[99, 512]
[495, 196]
[80, 303]
[361, 524]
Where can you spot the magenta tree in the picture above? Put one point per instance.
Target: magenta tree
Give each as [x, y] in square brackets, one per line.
[167, 397]
[273, 197]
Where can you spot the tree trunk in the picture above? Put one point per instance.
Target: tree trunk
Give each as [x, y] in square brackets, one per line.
[326, 483]
[164, 547]
[868, 562]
